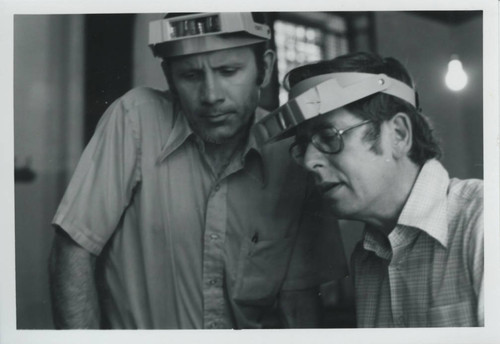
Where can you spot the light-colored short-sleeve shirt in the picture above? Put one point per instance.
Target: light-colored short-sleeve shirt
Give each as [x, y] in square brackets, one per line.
[429, 271]
[180, 247]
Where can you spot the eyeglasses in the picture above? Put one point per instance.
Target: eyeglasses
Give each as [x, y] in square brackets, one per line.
[327, 140]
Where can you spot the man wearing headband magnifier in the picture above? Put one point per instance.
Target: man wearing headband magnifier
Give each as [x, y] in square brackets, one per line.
[193, 223]
[359, 131]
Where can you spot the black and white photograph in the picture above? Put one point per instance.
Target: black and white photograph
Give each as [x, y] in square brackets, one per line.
[297, 174]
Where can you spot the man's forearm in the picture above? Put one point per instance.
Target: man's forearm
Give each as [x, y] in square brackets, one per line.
[300, 308]
[73, 289]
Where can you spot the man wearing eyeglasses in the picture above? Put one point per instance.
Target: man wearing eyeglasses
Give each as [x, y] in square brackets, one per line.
[176, 217]
[359, 131]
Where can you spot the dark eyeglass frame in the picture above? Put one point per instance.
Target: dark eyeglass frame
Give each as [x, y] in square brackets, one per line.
[298, 148]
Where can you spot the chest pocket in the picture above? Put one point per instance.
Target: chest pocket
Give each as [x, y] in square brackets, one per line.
[262, 267]
[453, 315]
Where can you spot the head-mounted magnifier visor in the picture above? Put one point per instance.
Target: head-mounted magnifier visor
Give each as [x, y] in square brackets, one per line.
[202, 32]
[324, 93]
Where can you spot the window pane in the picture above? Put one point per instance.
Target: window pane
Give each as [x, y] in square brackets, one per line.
[298, 44]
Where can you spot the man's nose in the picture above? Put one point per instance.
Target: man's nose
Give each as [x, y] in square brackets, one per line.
[211, 92]
[314, 160]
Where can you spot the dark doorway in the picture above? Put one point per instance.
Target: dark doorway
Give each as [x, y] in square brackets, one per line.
[108, 66]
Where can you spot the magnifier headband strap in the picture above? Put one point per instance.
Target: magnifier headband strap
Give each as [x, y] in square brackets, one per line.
[361, 81]
[324, 93]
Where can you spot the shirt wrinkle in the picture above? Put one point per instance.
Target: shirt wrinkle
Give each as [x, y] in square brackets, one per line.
[179, 134]
[255, 167]
[137, 139]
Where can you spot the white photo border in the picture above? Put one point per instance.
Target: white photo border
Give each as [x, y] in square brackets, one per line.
[489, 334]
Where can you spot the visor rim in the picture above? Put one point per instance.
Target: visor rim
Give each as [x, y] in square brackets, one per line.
[345, 80]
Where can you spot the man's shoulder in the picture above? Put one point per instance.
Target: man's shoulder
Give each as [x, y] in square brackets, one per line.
[144, 96]
[143, 105]
[465, 206]
[466, 190]
[140, 109]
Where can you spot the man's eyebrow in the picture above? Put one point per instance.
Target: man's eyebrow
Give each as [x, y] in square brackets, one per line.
[196, 69]
[230, 64]
[184, 67]
[186, 70]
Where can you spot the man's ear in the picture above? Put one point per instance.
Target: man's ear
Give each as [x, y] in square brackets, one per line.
[269, 59]
[402, 134]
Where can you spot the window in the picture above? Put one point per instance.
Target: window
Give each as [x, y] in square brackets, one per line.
[306, 37]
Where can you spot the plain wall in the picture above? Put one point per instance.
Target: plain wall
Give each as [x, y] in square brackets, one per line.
[147, 68]
[425, 47]
[48, 131]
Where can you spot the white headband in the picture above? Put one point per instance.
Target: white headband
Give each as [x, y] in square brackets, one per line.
[324, 93]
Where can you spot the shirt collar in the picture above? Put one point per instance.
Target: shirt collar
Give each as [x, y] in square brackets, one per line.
[179, 133]
[426, 207]
[424, 210]
[252, 160]
[374, 240]
[252, 152]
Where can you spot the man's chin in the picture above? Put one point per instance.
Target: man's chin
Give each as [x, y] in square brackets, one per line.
[217, 139]
[339, 210]
[220, 137]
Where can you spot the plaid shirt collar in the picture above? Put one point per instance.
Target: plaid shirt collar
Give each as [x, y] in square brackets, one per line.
[425, 210]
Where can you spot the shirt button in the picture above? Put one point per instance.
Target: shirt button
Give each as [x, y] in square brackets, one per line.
[217, 187]
[214, 236]
[212, 282]
[401, 320]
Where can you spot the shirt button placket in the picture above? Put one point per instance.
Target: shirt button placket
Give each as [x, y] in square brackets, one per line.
[395, 282]
[213, 299]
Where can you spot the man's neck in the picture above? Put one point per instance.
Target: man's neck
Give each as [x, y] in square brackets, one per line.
[398, 196]
[220, 155]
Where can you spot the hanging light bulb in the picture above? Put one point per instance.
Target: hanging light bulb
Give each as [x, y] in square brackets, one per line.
[456, 78]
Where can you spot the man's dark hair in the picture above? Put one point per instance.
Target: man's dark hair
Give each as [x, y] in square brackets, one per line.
[379, 107]
[258, 48]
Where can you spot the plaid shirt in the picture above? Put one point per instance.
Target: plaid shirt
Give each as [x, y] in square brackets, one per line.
[429, 271]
